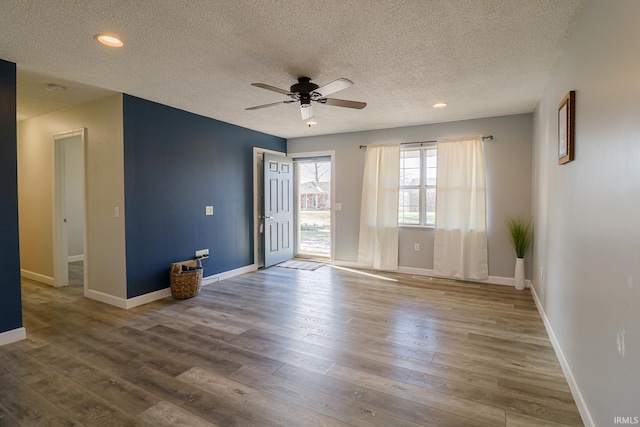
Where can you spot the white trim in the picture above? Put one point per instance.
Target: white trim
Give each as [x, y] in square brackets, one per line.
[493, 280]
[75, 258]
[147, 298]
[162, 293]
[47, 280]
[60, 254]
[12, 336]
[60, 267]
[105, 298]
[229, 274]
[127, 303]
[69, 133]
[587, 419]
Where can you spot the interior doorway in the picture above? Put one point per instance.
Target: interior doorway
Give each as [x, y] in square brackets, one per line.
[69, 211]
[314, 210]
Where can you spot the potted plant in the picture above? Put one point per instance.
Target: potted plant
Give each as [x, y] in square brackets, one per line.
[521, 233]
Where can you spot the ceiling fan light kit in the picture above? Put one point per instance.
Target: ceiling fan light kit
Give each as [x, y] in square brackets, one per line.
[109, 40]
[305, 92]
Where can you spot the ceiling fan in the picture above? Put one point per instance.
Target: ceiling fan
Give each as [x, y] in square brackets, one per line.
[305, 92]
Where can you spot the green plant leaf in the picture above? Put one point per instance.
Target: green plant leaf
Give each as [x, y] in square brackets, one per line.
[521, 233]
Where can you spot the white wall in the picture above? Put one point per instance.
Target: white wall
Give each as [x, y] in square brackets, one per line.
[587, 212]
[106, 261]
[74, 194]
[508, 163]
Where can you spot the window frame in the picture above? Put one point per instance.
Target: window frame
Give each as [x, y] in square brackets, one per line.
[422, 187]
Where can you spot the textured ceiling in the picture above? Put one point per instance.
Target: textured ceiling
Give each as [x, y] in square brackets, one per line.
[483, 57]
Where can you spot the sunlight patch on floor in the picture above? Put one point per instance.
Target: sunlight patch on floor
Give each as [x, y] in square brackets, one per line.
[363, 273]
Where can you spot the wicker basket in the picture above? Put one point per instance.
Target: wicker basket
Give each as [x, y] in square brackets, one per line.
[185, 283]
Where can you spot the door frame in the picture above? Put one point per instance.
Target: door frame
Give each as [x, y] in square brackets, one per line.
[60, 240]
[296, 196]
[257, 152]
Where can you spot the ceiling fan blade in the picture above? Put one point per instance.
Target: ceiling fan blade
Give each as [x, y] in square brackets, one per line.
[269, 105]
[272, 88]
[334, 86]
[343, 103]
[306, 110]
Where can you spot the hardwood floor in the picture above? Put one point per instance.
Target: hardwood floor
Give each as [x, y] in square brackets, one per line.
[288, 347]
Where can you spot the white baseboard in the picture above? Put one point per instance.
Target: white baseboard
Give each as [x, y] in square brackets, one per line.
[495, 280]
[147, 298]
[106, 298]
[38, 277]
[587, 419]
[13, 335]
[127, 303]
[75, 258]
[228, 274]
[162, 293]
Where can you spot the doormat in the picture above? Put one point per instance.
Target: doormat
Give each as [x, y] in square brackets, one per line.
[300, 265]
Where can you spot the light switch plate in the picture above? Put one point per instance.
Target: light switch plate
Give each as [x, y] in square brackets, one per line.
[208, 210]
[338, 206]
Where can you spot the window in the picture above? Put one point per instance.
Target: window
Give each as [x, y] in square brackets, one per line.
[418, 169]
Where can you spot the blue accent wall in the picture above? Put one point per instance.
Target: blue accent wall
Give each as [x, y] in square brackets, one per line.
[176, 163]
[10, 298]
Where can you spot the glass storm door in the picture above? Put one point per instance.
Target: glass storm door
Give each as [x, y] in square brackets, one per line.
[314, 207]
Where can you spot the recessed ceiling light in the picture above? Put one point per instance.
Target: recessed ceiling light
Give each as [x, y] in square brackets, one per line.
[439, 105]
[109, 40]
[51, 87]
[311, 123]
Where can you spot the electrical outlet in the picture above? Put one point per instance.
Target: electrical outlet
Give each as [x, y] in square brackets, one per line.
[416, 247]
[208, 210]
[202, 253]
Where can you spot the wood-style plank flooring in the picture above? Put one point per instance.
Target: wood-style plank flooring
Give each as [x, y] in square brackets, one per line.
[284, 347]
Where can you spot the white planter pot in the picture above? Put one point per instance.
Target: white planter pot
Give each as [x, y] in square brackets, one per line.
[519, 276]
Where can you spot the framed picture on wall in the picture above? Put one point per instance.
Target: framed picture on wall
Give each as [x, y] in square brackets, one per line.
[566, 124]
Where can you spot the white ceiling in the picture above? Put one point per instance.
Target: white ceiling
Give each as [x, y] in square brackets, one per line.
[483, 57]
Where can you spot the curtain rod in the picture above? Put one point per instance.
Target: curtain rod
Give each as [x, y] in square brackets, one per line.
[484, 138]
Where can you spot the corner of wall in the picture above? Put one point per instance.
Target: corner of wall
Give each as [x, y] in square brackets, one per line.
[104, 191]
[10, 290]
[12, 336]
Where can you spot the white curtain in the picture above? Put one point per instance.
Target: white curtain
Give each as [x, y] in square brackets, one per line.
[378, 246]
[460, 246]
